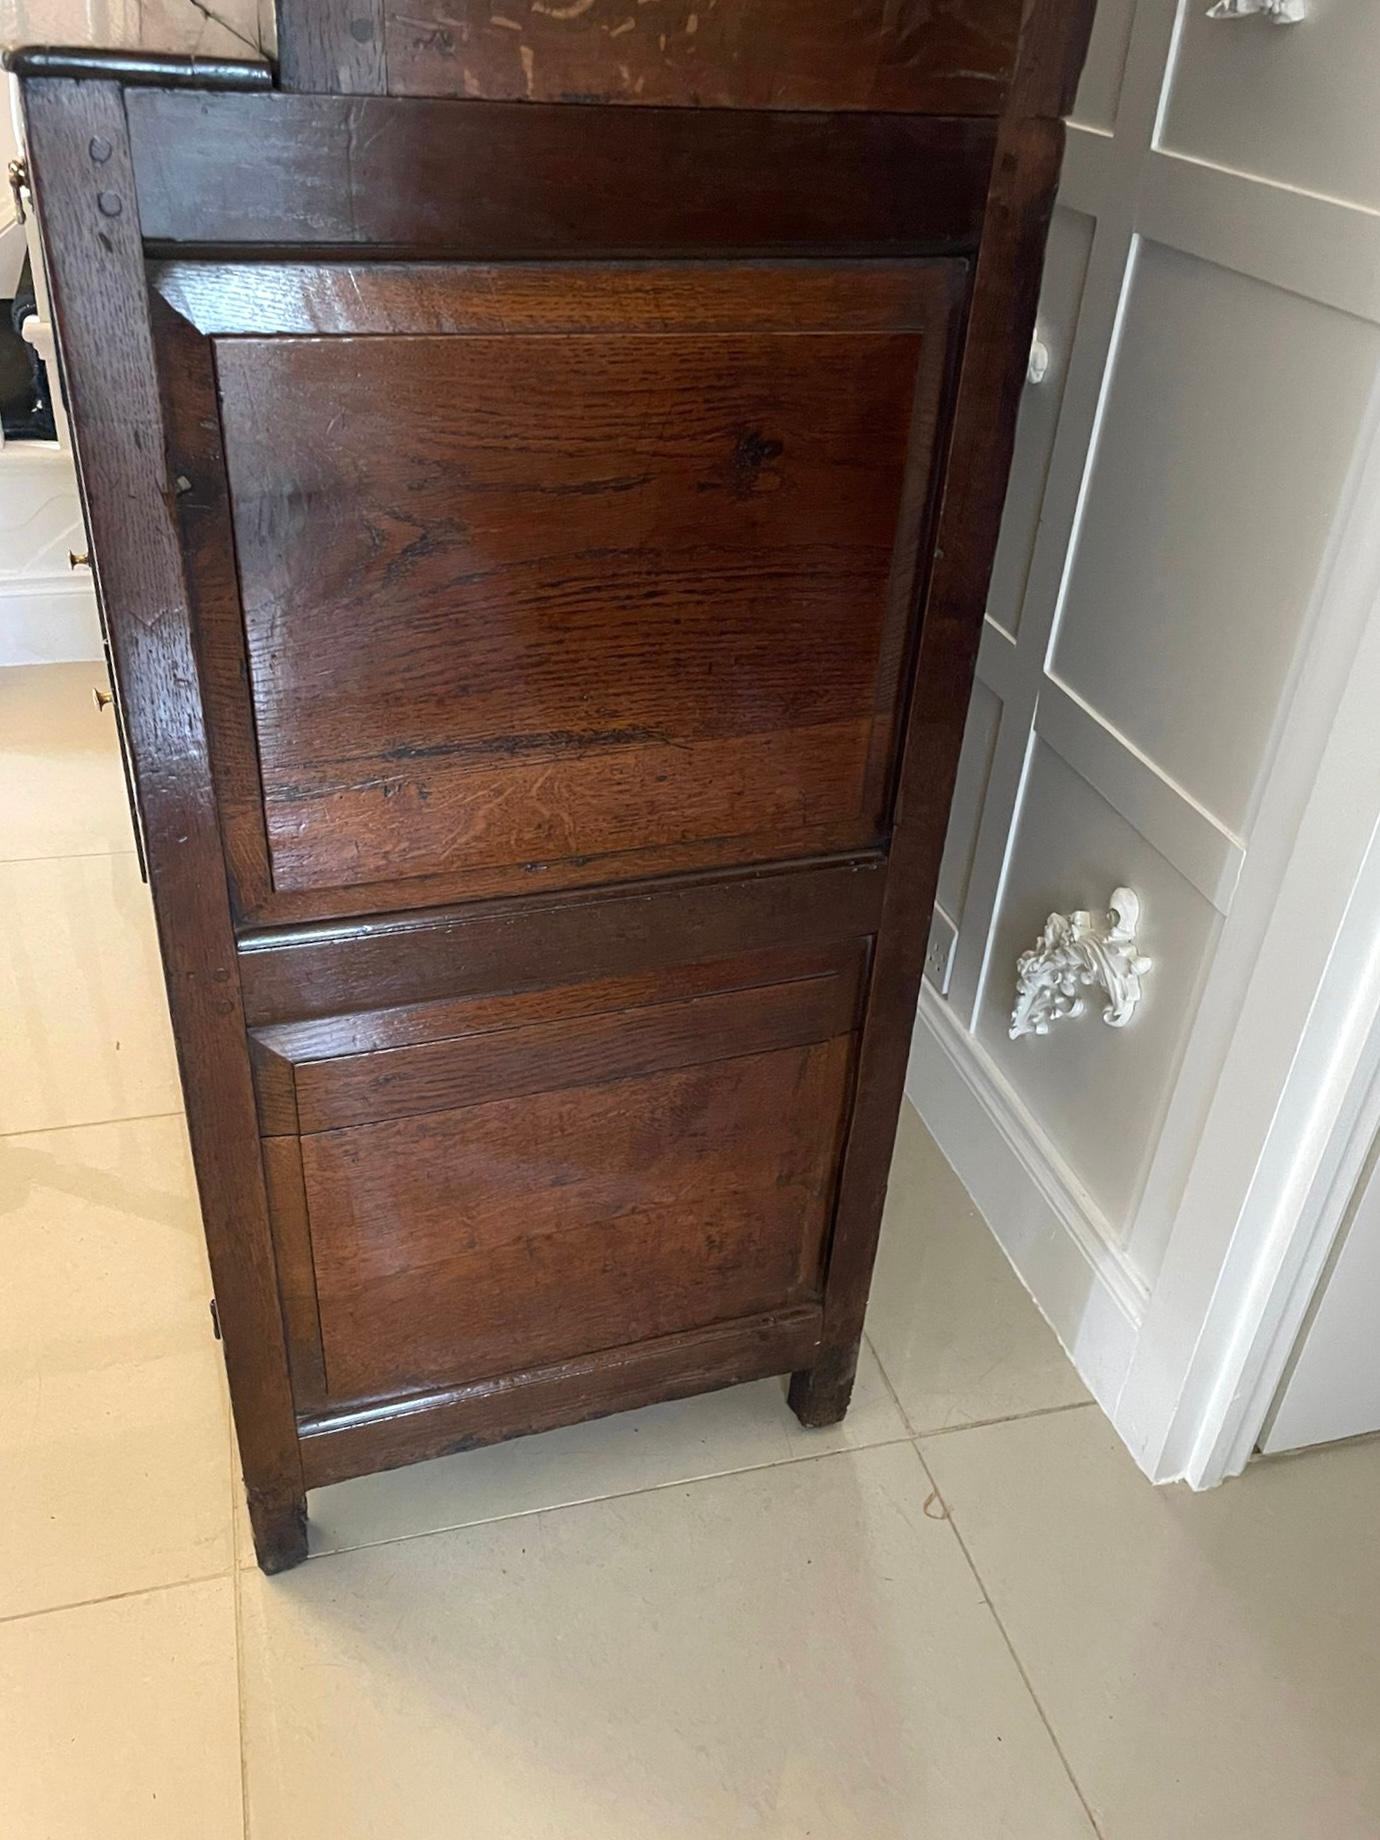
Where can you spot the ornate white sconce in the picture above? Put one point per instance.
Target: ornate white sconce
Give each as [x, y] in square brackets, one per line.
[1077, 952]
[1278, 12]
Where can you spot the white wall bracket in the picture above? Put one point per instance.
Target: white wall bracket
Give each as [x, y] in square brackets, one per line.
[1077, 952]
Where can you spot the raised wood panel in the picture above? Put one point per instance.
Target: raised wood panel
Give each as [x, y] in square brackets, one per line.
[944, 59]
[326, 1038]
[619, 1110]
[403, 959]
[550, 608]
[362, 297]
[281, 172]
[536, 1056]
[463, 1243]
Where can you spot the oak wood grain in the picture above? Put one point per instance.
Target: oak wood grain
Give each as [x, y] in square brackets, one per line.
[283, 297]
[283, 172]
[912, 55]
[573, 1050]
[355, 1441]
[300, 972]
[363, 1032]
[457, 1244]
[332, 46]
[579, 539]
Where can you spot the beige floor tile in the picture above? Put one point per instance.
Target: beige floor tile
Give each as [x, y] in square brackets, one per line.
[86, 1034]
[118, 1721]
[744, 1427]
[62, 789]
[791, 1651]
[114, 1435]
[957, 1335]
[1210, 1663]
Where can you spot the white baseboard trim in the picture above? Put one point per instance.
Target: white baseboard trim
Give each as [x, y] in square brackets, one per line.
[1047, 1225]
[48, 620]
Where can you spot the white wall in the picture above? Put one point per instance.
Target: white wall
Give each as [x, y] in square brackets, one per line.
[1183, 581]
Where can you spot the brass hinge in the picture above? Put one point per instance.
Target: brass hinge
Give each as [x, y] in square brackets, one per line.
[215, 1320]
[19, 184]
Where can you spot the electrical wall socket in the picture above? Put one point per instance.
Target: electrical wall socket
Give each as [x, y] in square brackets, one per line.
[939, 953]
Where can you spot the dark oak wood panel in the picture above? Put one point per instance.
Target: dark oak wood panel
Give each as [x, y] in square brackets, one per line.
[326, 970]
[355, 1441]
[626, 1117]
[332, 45]
[365, 1088]
[915, 55]
[281, 172]
[610, 596]
[580, 537]
[544, 547]
[640, 1208]
[288, 1044]
[284, 297]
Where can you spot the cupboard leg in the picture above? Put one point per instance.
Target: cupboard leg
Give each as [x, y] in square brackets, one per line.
[280, 1530]
[819, 1395]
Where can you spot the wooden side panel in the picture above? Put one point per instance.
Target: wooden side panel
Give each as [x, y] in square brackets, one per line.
[348, 172]
[545, 1056]
[280, 1048]
[464, 1243]
[330, 971]
[425, 299]
[521, 1173]
[915, 55]
[514, 600]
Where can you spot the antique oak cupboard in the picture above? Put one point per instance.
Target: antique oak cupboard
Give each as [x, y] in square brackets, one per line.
[543, 463]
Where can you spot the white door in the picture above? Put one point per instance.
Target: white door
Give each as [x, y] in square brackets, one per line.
[1177, 602]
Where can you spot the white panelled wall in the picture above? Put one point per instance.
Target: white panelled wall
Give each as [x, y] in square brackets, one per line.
[1174, 696]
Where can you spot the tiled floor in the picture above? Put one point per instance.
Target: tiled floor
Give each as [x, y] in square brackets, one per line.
[960, 1616]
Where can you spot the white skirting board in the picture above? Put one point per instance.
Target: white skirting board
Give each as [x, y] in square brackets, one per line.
[1046, 1225]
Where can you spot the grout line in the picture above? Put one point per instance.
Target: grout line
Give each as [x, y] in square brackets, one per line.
[976, 1424]
[886, 1382]
[111, 1597]
[592, 1501]
[1010, 1418]
[1006, 1638]
[7, 862]
[90, 1124]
